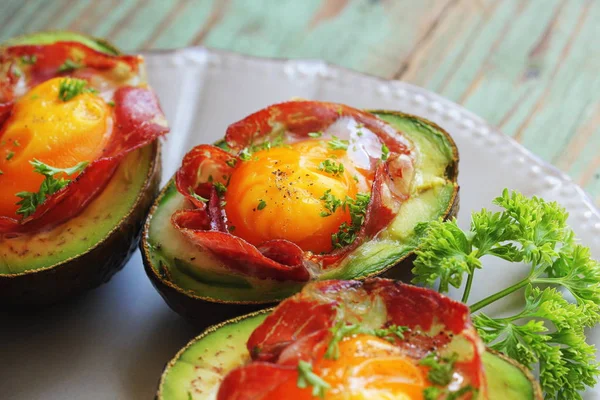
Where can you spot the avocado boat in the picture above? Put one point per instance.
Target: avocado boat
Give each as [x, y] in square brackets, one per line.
[197, 370]
[192, 273]
[78, 237]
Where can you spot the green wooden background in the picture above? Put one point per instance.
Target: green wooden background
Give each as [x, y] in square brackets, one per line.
[531, 68]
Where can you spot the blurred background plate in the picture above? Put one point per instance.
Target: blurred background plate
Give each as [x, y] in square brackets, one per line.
[113, 342]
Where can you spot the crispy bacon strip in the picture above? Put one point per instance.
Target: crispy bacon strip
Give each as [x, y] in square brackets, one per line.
[139, 121]
[206, 164]
[299, 329]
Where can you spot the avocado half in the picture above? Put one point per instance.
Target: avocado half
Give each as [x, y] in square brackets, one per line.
[86, 251]
[197, 370]
[175, 266]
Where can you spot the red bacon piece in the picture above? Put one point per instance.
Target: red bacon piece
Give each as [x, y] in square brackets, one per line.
[259, 380]
[235, 253]
[293, 319]
[303, 117]
[139, 121]
[299, 329]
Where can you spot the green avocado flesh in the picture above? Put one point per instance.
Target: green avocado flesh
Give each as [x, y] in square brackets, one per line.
[198, 369]
[198, 274]
[86, 230]
[41, 38]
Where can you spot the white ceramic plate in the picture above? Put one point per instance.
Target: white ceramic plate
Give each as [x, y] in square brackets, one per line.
[113, 343]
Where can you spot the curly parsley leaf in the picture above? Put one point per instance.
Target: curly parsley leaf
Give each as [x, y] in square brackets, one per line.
[445, 253]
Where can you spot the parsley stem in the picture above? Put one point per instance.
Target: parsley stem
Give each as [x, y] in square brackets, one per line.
[490, 299]
[467, 291]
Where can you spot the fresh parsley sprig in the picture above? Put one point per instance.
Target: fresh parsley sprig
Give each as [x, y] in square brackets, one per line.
[549, 332]
[307, 377]
[30, 201]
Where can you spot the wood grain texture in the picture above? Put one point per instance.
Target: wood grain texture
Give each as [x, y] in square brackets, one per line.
[529, 67]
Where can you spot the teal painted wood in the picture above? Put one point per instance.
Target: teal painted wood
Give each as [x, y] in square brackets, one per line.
[529, 67]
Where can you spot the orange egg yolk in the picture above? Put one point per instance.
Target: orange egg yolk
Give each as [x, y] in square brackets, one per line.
[277, 194]
[368, 367]
[56, 132]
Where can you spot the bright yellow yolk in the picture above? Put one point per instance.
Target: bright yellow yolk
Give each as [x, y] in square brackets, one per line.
[368, 368]
[372, 368]
[276, 195]
[58, 133]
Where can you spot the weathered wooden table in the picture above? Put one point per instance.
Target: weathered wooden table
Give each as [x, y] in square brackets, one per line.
[529, 67]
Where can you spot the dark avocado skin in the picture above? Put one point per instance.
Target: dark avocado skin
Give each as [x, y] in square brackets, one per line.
[198, 312]
[98, 264]
[207, 311]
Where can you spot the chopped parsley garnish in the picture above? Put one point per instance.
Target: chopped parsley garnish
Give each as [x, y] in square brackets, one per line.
[70, 65]
[10, 155]
[359, 133]
[435, 393]
[196, 196]
[231, 228]
[231, 162]
[245, 155]
[331, 167]
[261, 205]
[331, 203]
[111, 103]
[29, 60]
[341, 330]
[385, 152]
[70, 88]
[307, 377]
[30, 201]
[338, 144]
[1, 172]
[347, 232]
[315, 134]
[440, 368]
[220, 188]
[278, 141]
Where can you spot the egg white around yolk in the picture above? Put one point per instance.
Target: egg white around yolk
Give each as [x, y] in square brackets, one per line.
[277, 195]
[56, 132]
